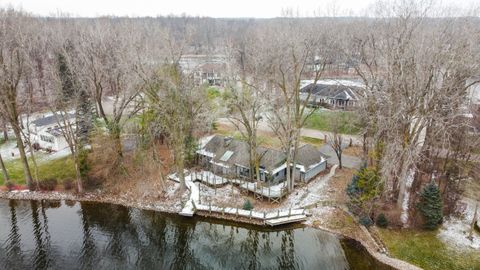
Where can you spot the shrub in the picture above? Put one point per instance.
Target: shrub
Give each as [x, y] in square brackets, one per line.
[92, 182]
[48, 184]
[10, 185]
[382, 221]
[68, 184]
[431, 206]
[247, 205]
[366, 221]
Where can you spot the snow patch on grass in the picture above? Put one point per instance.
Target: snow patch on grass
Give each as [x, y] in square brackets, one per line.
[456, 230]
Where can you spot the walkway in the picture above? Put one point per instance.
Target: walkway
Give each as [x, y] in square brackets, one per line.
[271, 218]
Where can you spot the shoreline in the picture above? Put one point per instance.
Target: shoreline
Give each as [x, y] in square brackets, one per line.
[100, 197]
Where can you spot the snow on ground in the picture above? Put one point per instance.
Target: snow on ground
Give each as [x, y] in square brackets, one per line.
[320, 214]
[8, 148]
[311, 193]
[65, 152]
[455, 231]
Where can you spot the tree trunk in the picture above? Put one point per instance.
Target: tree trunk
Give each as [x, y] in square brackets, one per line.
[23, 156]
[289, 173]
[339, 156]
[179, 160]
[5, 131]
[4, 170]
[474, 220]
[78, 176]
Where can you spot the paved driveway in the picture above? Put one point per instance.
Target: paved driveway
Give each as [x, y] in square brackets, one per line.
[347, 161]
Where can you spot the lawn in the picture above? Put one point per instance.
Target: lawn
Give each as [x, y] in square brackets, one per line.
[264, 139]
[321, 120]
[60, 169]
[425, 250]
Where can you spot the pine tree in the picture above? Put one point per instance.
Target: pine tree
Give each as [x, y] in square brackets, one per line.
[431, 206]
[66, 76]
[84, 116]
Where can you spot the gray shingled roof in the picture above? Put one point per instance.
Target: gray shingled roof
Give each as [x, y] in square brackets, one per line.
[50, 120]
[333, 91]
[271, 158]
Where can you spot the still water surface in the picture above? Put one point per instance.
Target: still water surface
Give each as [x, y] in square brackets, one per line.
[81, 235]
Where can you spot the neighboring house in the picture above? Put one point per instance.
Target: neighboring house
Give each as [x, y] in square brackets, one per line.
[206, 69]
[210, 73]
[341, 94]
[473, 92]
[229, 157]
[46, 131]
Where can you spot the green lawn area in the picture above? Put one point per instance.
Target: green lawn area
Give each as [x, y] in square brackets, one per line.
[321, 120]
[313, 141]
[267, 141]
[60, 169]
[425, 250]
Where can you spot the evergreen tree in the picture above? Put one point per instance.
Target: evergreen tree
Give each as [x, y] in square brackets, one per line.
[84, 116]
[431, 206]
[66, 77]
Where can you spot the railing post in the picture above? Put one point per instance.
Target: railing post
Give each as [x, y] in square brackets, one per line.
[264, 215]
[210, 207]
[236, 214]
[289, 212]
[223, 211]
[250, 213]
[278, 213]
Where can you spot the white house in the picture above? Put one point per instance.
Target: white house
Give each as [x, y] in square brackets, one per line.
[46, 131]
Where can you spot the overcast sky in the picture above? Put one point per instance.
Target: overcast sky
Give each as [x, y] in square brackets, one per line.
[210, 8]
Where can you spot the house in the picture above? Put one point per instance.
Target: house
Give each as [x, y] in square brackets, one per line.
[229, 157]
[210, 73]
[46, 131]
[206, 69]
[341, 94]
[473, 92]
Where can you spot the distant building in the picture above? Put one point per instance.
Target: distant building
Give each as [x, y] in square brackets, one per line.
[230, 157]
[339, 94]
[206, 69]
[46, 131]
[473, 92]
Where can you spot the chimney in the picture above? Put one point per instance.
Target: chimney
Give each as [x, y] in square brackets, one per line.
[227, 140]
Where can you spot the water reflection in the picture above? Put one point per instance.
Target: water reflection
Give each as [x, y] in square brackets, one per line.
[59, 235]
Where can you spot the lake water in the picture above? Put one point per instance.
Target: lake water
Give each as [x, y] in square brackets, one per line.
[80, 235]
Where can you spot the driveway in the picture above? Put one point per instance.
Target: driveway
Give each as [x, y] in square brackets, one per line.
[347, 161]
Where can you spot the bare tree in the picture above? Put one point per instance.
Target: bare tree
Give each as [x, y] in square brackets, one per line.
[13, 63]
[335, 140]
[181, 111]
[110, 63]
[246, 87]
[414, 69]
[289, 55]
[6, 177]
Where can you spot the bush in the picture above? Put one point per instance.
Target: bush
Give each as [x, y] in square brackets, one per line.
[10, 185]
[68, 184]
[366, 221]
[431, 206]
[382, 221]
[48, 184]
[92, 182]
[247, 205]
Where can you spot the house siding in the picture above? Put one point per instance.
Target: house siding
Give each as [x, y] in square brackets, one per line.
[314, 171]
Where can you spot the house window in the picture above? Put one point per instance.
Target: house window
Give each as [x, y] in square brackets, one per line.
[46, 138]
